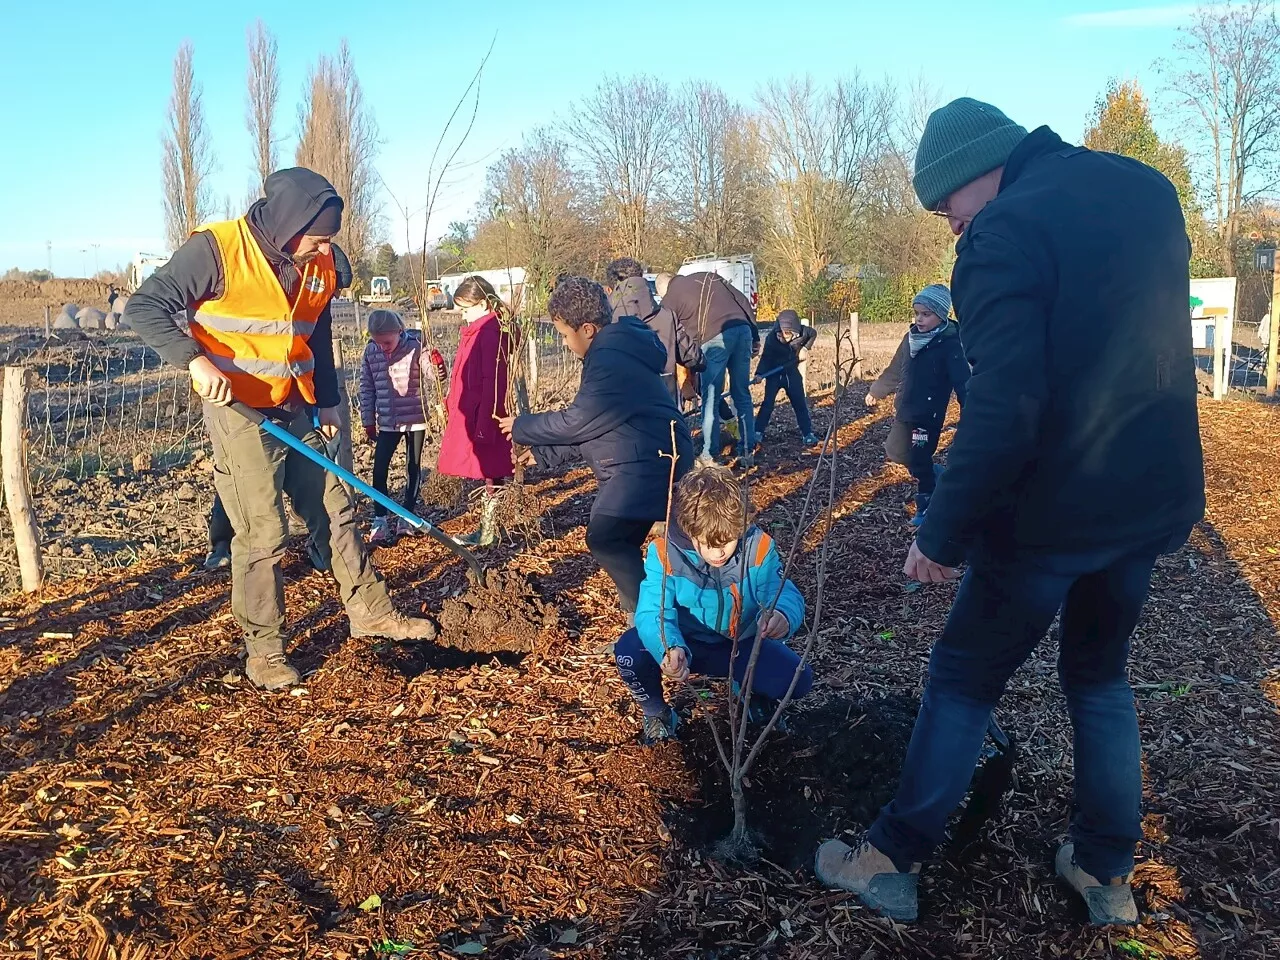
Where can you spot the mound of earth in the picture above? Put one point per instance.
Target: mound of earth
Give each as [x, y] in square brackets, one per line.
[505, 613]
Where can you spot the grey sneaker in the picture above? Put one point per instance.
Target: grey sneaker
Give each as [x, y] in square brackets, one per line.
[271, 672]
[1108, 903]
[864, 870]
[660, 728]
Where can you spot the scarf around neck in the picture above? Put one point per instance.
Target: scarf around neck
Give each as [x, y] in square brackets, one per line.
[918, 341]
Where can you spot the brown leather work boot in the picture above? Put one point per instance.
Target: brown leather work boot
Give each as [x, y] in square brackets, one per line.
[393, 626]
[864, 870]
[266, 665]
[1108, 903]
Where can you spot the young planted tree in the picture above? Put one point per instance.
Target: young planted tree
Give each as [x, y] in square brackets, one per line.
[263, 81]
[736, 753]
[338, 138]
[188, 156]
[623, 131]
[1227, 83]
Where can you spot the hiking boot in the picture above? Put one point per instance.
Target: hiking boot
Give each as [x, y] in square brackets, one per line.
[267, 669]
[393, 626]
[660, 728]
[1107, 902]
[219, 557]
[864, 870]
[761, 711]
[809, 439]
[382, 532]
[487, 534]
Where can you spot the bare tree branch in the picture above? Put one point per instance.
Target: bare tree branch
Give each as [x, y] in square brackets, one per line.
[263, 80]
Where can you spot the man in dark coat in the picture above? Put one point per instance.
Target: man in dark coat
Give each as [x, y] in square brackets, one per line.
[630, 296]
[1076, 464]
[251, 288]
[621, 423]
[723, 321]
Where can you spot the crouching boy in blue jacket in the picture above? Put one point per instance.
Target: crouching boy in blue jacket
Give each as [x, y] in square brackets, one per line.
[721, 574]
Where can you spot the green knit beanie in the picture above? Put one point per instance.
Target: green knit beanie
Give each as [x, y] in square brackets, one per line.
[961, 142]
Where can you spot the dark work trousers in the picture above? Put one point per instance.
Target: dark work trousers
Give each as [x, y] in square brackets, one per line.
[790, 381]
[220, 531]
[388, 441]
[616, 543]
[913, 445]
[1001, 613]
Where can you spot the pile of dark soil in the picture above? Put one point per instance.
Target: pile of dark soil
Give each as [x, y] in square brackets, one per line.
[505, 613]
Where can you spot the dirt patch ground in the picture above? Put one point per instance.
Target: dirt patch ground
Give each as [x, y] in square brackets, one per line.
[443, 803]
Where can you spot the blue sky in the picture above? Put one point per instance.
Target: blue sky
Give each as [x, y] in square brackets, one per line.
[86, 85]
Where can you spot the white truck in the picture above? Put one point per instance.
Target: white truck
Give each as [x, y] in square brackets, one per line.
[740, 271]
[143, 266]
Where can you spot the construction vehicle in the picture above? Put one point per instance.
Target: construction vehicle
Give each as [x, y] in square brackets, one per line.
[143, 266]
[379, 290]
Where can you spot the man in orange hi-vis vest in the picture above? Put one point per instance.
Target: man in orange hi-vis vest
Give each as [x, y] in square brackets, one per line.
[256, 294]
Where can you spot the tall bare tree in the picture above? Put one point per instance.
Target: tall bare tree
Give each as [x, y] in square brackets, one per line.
[1227, 80]
[623, 130]
[260, 102]
[717, 180]
[822, 145]
[188, 156]
[338, 138]
[541, 217]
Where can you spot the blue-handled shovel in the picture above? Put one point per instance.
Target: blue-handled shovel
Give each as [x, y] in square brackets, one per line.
[269, 426]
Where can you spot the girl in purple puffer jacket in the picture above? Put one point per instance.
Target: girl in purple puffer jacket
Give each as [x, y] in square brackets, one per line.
[392, 407]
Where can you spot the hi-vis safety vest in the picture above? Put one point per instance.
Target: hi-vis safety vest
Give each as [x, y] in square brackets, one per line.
[253, 333]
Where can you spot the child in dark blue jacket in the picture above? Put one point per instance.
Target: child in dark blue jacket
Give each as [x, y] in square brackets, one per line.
[620, 422]
[928, 366]
[711, 579]
[779, 368]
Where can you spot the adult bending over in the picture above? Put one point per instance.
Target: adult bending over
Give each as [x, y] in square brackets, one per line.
[1076, 464]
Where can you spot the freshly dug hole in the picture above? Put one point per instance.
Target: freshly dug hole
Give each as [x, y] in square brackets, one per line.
[833, 772]
[504, 613]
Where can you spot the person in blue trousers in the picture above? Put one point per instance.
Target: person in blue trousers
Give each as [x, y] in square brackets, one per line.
[779, 368]
[1077, 462]
[721, 317]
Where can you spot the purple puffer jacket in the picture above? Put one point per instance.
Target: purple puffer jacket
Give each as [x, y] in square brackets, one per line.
[390, 386]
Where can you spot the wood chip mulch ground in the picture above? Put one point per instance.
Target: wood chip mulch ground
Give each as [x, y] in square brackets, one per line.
[493, 800]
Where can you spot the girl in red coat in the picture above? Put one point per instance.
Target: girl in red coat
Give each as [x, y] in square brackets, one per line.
[473, 446]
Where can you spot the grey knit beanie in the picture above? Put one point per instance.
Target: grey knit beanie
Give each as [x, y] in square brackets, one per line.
[961, 142]
[936, 298]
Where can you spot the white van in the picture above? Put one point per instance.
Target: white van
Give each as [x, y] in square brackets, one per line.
[740, 271]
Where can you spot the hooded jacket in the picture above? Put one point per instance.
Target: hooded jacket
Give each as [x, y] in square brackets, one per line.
[778, 357]
[633, 298]
[706, 604]
[619, 422]
[923, 383]
[1080, 427]
[195, 273]
[707, 304]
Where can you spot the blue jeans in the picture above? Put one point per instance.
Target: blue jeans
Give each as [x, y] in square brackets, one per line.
[728, 351]
[775, 668]
[1001, 612]
[791, 381]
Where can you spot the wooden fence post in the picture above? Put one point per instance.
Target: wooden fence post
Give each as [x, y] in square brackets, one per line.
[341, 447]
[48, 332]
[804, 357]
[856, 336]
[17, 488]
[1272, 346]
[1221, 355]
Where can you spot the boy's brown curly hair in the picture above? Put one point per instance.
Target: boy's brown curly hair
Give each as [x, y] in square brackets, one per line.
[708, 505]
[577, 301]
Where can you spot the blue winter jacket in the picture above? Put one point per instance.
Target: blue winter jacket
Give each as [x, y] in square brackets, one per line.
[620, 422]
[705, 604]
